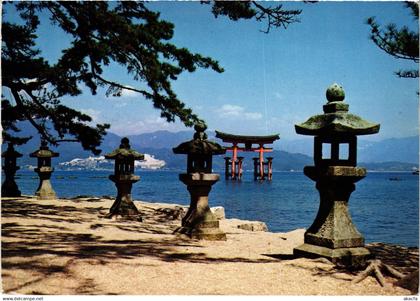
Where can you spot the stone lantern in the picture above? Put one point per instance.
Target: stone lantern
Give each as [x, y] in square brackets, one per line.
[333, 234]
[124, 178]
[44, 170]
[9, 187]
[200, 222]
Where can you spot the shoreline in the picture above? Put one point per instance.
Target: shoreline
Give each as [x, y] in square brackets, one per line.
[63, 247]
[277, 198]
[141, 170]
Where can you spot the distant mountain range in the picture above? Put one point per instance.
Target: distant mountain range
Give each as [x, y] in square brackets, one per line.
[395, 154]
[394, 149]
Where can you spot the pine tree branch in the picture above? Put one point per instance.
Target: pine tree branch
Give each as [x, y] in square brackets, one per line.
[276, 16]
[401, 44]
[66, 140]
[387, 46]
[121, 86]
[41, 130]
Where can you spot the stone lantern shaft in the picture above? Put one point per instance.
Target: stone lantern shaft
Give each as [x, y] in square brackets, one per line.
[333, 234]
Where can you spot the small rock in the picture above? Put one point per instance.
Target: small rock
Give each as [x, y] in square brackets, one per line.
[173, 213]
[93, 200]
[254, 226]
[219, 212]
[82, 196]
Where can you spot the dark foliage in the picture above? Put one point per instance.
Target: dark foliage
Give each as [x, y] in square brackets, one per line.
[126, 33]
[274, 16]
[400, 43]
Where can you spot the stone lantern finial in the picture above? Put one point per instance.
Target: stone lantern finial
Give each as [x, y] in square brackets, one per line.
[125, 143]
[200, 128]
[44, 144]
[335, 92]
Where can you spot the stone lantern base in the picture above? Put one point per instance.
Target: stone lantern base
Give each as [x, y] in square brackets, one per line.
[45, 190]
[9, 188]
[333, 234]
[347, 256]
[200, 222]
[123, 207]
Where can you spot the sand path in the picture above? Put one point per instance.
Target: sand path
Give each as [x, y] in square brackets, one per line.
[64, 247]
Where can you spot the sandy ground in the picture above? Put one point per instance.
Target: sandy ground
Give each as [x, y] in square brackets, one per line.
[64, 247]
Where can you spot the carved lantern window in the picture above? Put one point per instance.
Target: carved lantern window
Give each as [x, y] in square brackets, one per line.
[44, 155]
[199, 151]
[336, 131]
[124, 158]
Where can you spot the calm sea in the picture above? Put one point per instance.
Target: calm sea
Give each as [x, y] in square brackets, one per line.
[382, 209]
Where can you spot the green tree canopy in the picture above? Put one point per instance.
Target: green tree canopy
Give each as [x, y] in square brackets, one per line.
[401, 43]
[126, 33]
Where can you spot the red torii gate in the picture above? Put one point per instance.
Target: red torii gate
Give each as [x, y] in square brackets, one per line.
[236, 162]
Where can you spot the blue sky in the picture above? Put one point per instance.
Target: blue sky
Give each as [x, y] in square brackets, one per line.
[271, 81]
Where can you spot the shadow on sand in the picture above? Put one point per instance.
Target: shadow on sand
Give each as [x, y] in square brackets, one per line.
[26, 245]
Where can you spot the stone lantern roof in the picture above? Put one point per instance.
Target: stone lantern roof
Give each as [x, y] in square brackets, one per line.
[44, 151]
[336, 119]
[199, 145]
[124, 151]
[11, 152]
